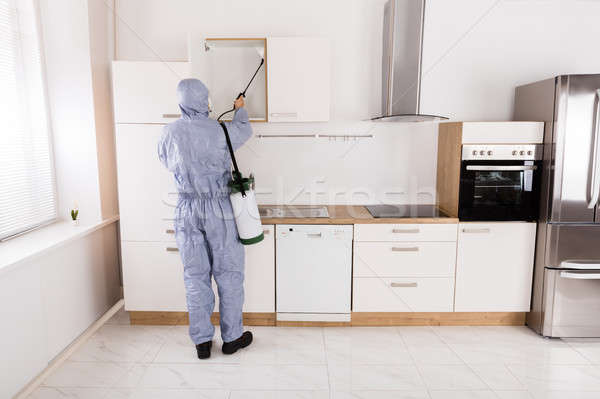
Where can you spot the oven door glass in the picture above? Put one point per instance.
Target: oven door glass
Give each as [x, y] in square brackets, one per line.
[499, 190]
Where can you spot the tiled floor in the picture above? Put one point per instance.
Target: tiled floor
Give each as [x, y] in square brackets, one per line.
[123, 361]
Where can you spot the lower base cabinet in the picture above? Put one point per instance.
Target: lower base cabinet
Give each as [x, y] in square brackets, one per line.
[494, 266]
[153, 276]
[431, 294]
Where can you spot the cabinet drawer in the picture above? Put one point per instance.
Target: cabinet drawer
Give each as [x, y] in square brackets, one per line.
[404, 259]
[405, 232]
[431, 294]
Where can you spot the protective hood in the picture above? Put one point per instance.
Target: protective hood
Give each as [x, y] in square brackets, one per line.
[193, 99]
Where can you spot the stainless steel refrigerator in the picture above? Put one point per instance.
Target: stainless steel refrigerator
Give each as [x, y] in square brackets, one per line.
[566, 283]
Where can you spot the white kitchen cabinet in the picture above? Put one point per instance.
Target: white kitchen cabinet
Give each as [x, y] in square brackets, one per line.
[494, 267]
[404, 267]
[298, 79]
[259, 284]
[397, 259]
[405, 232]
[145, 92]
[147, 194]
[403, 294]
[153, 276]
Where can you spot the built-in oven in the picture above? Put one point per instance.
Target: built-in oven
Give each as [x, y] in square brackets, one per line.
[500, 182]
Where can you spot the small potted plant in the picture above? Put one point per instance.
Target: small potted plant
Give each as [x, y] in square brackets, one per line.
[74, 214]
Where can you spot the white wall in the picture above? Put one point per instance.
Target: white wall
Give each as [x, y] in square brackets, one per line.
[46, 302]
[78, 45]
[475, 53]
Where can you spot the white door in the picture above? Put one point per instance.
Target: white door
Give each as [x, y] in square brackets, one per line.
[259, 284]
[152, 277]
[145, 92]
[147, 194]
[494, 267]
[298, 79]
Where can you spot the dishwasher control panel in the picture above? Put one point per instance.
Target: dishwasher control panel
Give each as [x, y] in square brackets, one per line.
[337, 232]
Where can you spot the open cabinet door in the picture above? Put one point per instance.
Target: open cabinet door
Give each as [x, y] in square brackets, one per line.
[298, 79]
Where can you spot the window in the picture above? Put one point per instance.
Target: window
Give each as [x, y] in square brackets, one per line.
[27, 189]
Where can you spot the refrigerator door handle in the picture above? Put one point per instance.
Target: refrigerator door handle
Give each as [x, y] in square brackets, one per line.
[580, 276]
[595, 187]
[580, 265]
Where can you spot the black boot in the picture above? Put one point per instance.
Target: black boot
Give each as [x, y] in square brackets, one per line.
[230, 348]
[203, 350]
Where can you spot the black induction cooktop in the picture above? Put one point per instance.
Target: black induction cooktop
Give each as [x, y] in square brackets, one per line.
[405, 211]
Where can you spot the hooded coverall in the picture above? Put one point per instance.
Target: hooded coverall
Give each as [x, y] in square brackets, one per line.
[194, 149]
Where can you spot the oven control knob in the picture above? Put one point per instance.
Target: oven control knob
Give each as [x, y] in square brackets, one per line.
[474, 152]
[481, 152]
[490, 153]
[529, 153]
[522, 153]
[514, 152]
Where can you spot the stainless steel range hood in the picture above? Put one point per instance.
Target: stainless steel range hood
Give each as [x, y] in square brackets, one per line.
[401, 62]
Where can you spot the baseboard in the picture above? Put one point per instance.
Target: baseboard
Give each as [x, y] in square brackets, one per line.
[438, 319]
[181, 318]
[358, 319]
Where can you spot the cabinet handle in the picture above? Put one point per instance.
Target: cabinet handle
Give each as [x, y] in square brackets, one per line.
[405, 249]
[314, 235]
[266, 231]
[170, 231]
[288, 114]
[485, 230]
[171, 115]
[172, 249]
[407, 231]
[403, 285]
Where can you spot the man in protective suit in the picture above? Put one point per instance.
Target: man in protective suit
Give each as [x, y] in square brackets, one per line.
[194, 149]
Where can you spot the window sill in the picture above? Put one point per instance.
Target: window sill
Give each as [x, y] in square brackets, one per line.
[42, 240]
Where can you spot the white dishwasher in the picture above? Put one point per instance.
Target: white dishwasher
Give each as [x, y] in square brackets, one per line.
[313, 272]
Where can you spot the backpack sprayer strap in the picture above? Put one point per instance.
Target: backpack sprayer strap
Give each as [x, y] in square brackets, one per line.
[237, 176]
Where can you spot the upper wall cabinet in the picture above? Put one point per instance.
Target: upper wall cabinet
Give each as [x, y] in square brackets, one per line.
[145, 92]
[228, 66]
[298, 79]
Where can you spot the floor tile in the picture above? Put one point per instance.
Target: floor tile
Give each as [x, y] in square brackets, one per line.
[497, 377]
[286, 345]
[178, 394]
[462, 395]
[235, 376]
[517, 354]
[374, 377]
[87, 374]
[365, 345]
[567, 395]
[434, 355]
[420, 336]
[514, 395]
[450, 377]
[118, 343]
[187, 376]
[423, 394]
[279, 395]
[557, 377]
[587, 347]
[68, 393]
